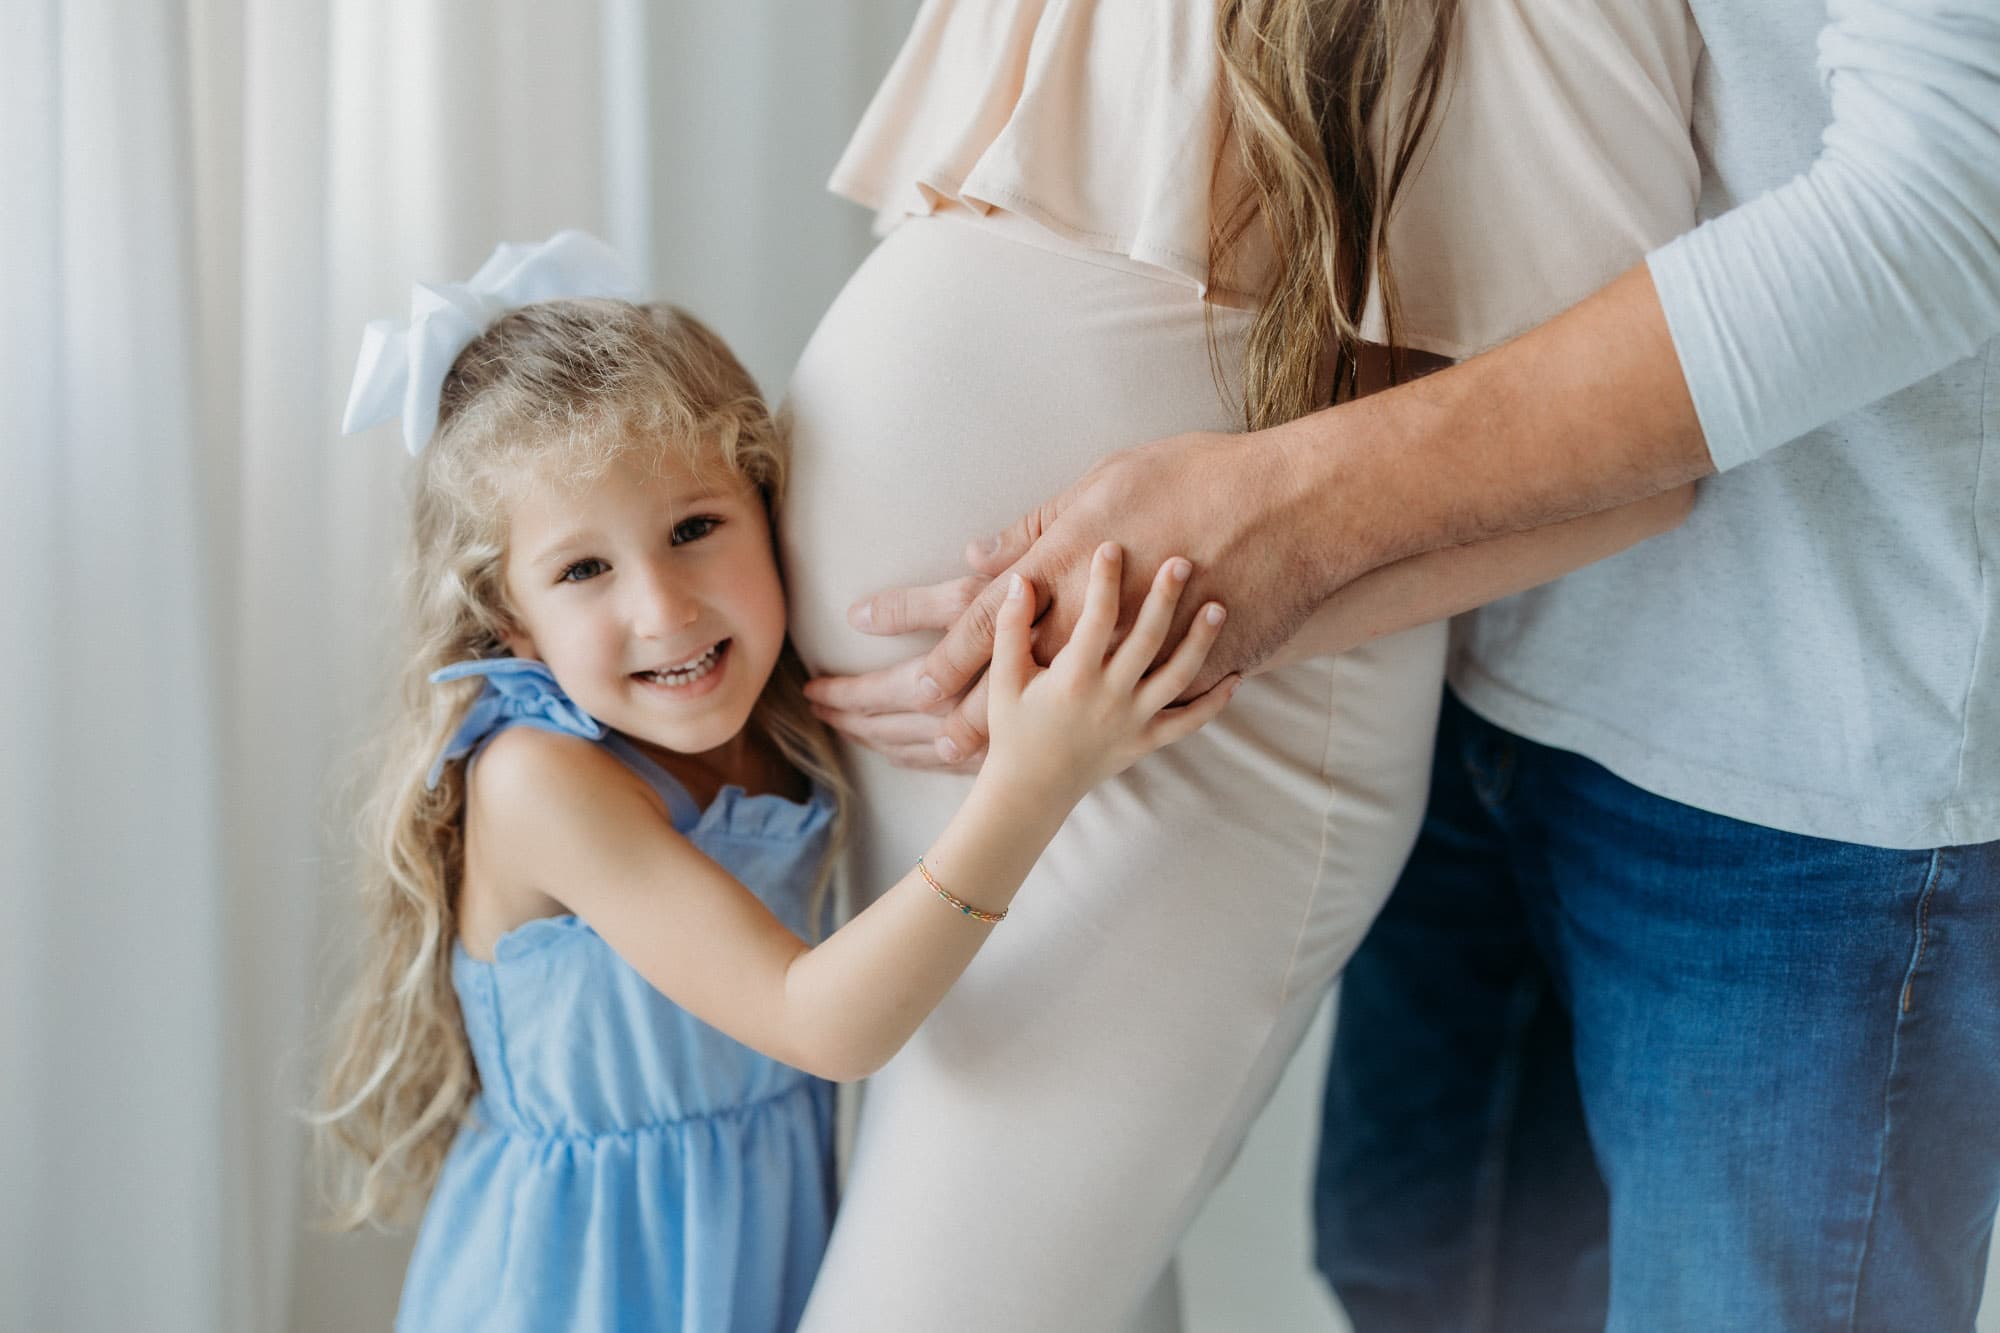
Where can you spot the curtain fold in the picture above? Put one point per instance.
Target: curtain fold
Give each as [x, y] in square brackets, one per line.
[30, 251]
[114, 801]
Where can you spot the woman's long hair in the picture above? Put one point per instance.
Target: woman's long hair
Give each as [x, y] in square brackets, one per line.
[1329, 102]
[551, 392]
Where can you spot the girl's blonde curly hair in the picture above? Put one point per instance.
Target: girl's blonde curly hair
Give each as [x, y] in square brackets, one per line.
[552, 393]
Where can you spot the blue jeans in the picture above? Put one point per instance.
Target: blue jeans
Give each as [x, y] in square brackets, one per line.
[1608, 1061]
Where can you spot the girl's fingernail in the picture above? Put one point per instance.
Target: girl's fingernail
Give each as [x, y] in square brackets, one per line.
[1214, 615]
[1016, 586]
[862, 616]
[928, 688]
[947, 749]
[1178, 568]
[991, 545]
[1108, 551]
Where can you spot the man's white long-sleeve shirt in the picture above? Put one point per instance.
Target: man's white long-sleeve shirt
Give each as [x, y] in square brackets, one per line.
[1814, 650]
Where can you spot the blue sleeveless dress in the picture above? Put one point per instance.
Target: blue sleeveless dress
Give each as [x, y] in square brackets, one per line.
[625, 1166]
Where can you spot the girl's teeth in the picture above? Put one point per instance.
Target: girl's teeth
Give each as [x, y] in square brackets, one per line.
[689, 672]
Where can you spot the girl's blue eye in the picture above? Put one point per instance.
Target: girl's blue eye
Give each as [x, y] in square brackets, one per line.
[694, 529]
[588, 568]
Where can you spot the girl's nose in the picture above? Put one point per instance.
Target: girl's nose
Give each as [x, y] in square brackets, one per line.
[662, 607]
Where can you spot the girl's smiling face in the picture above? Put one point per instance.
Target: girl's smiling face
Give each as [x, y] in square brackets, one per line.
[652, 596]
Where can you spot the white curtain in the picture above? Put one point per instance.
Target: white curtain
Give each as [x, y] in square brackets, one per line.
[202, 203]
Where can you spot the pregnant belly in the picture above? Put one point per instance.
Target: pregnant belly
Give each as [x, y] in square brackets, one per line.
[965, 376]
[962, 377]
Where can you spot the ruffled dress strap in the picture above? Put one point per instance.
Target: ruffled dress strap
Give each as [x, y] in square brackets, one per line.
[517, 692]
[1103, 121]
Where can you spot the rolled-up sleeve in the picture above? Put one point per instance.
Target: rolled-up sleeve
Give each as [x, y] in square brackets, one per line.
[1878, 266]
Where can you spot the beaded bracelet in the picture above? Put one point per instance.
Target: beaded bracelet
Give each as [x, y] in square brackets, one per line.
[990, 918]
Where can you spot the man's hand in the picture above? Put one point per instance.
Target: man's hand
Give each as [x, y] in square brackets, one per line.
[1231, 503]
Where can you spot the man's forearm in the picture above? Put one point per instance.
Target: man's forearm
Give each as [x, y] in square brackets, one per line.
[1586, 412]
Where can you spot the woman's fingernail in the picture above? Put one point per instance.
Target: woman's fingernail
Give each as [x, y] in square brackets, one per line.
[1016, 586]
[862, 616]
[1179, 568]
[928, 688]
[1214, 615]
[991, 545]
[1108, 551]
[947, 749]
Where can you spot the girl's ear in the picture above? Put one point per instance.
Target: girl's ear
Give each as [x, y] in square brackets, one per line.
[520, 645]
[517, 640]
[506, 626]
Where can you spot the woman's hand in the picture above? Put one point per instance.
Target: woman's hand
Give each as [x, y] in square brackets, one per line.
[885, 710]
[1094, 710]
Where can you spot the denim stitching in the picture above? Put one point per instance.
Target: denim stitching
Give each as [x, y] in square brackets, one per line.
[1888, 1091]
[1923, 930]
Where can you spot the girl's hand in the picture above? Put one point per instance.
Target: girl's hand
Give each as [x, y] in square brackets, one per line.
[1092, 712]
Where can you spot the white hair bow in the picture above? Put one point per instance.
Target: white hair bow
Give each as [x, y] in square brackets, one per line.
[402, 367]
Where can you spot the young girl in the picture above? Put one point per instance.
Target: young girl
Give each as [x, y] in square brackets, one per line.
[589, 1022]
